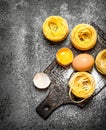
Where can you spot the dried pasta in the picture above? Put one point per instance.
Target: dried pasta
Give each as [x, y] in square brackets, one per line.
[55, 28]
[101, 62]
[82, 85]
[83, 36]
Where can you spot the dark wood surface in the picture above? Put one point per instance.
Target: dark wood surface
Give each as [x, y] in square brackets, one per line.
[58, 93]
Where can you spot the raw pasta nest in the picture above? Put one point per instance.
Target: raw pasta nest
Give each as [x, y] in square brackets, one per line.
[83, 36]
[101, 62]
[82, 85]
[55, 28]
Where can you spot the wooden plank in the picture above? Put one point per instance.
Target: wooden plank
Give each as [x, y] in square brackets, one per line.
[58, 94]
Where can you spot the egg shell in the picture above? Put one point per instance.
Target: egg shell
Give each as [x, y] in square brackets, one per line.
[64, 56]
[83, 62]
[41, 80]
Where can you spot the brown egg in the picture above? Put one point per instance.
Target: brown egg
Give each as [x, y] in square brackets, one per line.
[83, 62]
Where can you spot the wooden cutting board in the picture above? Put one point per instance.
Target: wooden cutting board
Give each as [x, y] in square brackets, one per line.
[58, 93]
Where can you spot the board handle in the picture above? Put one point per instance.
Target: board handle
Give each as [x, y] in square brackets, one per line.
[45, 108]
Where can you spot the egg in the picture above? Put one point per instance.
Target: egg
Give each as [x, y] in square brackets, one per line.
[64, 56]
[83, 62]
[41, 80]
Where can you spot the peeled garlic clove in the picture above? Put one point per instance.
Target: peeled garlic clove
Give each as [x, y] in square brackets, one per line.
[41, 80]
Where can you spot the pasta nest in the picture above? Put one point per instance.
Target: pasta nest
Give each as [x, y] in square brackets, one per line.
[55, 28]
[101, 62]
[82, 85]
[83, 36]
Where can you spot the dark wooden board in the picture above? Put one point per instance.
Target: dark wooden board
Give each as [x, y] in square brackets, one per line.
[58, 93]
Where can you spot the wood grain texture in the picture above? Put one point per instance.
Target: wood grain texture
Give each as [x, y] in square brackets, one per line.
[58, 94]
